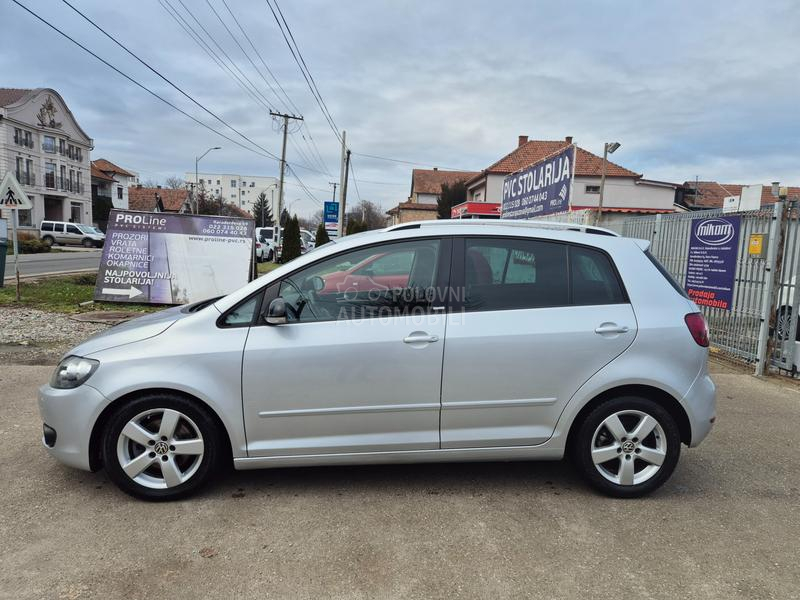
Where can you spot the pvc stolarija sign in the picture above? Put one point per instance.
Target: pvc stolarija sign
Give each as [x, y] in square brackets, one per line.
[711, 263]
[541, 189]
[167, 258]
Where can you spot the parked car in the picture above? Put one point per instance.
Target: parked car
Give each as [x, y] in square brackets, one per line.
[307, 240]
[265, 249]
[476, 341]
[61, 232]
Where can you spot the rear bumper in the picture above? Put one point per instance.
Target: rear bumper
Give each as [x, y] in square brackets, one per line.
[71, 414]
[700, 403]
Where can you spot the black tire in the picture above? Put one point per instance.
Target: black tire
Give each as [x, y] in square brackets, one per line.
[584, 442]
[49, 240]
[270, 256]
[260, 259]
[87, 243]
[208, 463]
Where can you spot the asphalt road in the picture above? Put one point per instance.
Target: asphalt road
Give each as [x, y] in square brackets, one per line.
[727, 524]
[53, 262]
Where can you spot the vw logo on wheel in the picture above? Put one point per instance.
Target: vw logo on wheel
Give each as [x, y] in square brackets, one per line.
[628, 447]
[161, 448]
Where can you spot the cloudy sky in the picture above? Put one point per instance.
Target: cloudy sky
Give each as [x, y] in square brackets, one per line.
[707, 89]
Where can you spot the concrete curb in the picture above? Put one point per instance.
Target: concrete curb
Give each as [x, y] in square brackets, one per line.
[10, 279]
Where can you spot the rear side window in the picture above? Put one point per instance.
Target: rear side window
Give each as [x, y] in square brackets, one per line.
[506, 274]
[47, 226]
[666, 274]
[593, 279]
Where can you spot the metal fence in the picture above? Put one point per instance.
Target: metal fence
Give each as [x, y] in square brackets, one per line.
[762, 320]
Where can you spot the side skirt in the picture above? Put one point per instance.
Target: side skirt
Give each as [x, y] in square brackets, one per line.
[406, 456]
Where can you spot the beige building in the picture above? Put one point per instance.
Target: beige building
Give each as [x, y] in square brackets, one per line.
[48, 152]
[426, 187]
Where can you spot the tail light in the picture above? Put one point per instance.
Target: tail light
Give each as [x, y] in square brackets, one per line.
[258, 245]
[698, 328]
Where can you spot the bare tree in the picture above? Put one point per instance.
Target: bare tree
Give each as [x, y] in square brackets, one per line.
[174, 183]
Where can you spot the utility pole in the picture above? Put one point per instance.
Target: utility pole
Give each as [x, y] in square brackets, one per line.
[341, 185]
[285, 118]
[335, 185]
[344, 188]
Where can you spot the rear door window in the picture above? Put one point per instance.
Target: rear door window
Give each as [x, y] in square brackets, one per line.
[593, 279]
[47, 226]
[507, 273]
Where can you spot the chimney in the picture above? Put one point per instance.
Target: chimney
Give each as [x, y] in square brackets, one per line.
[138, 186]
[523, 139]
[435, 168]
[158, 186]
[568, 139]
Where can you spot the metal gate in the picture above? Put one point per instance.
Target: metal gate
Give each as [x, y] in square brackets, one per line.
[763, 280]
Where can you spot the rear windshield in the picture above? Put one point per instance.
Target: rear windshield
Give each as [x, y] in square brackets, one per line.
[666, 275]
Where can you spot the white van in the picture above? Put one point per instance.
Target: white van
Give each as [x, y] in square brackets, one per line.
[61, 232]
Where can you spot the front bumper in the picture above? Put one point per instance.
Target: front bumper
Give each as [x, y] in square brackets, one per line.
[72, 414]
[700, 403]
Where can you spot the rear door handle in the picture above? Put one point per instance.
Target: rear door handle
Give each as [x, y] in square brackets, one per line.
[420, 338]
[611, 328]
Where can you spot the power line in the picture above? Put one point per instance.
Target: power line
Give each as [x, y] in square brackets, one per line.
[314, 93]
[198, 39]
[142, 86]
[406, 162]
[126, 49]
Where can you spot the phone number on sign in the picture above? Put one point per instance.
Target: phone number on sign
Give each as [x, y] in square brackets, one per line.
[224, 228]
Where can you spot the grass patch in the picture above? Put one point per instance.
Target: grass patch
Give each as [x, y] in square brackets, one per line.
[266, 267]
[63, 295]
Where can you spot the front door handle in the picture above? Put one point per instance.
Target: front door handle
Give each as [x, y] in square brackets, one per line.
[420, 337]
[611, 328]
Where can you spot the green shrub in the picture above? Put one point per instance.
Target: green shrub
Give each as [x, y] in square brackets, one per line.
[85, 279]
[33, 247]
[322, 236]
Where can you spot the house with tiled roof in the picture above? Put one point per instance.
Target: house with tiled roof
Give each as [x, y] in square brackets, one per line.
[122, 180]
[426, 187]
[158, 199]
[46, 149]
[705, 195]
[626, 192]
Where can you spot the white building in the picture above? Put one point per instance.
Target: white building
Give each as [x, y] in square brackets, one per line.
[240, 190]
[122, 180]
[626, 192]
[48, 152]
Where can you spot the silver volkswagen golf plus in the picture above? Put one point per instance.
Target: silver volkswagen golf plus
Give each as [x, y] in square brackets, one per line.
[433, 341]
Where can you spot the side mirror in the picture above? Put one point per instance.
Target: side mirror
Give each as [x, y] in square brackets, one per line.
[276, 312]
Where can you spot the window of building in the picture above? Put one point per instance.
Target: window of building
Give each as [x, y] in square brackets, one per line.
[63, 182]
[49, 144]
[217, 181]
[62, 147]
[79, 183]
[50, 175]
[119, 192]
[506, 274]
[592, 189]
[18, 137]
[233, 183]
[24, 217]
[244, 183]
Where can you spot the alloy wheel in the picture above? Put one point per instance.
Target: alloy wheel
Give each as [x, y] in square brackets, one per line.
[160, 448]
[629, 447]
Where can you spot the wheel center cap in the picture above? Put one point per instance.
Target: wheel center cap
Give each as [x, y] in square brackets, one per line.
[161, 448]
[627, 446]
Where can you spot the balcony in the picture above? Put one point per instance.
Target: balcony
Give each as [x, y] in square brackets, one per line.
[24, 142]
[52, 182]
[26, 178]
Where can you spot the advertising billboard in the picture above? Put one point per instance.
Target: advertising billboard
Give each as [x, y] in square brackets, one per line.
[331, 216]
[541, 189]
[711, 268]
[165, 258]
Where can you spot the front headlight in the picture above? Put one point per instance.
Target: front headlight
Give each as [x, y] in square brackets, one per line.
[72, 372]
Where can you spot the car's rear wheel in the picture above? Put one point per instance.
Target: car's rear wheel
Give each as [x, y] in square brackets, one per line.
[161, 447]
[270, 256]
[627, 446]
[783, 324]
[48, 240]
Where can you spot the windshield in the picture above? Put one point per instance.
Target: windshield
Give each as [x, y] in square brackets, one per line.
[88, 229]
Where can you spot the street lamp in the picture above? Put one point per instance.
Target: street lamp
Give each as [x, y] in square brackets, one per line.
[196, 161]
[608, 148]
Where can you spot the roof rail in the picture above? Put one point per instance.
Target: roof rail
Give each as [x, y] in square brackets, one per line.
[554, 225]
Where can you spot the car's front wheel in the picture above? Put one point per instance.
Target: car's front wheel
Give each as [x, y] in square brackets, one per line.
[87, 243]
[627, 446]
[161, 447]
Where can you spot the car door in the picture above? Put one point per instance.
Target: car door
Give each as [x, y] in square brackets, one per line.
[354, 370]
[539, 319]
[73, 234]
[58, 233]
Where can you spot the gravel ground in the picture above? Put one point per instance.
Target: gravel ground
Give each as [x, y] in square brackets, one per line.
[725, 526]
[35, 337]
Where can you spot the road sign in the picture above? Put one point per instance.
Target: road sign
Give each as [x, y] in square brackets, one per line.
[331, 215]
[11, 195]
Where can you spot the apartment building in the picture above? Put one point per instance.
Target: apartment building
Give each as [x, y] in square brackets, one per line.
[42, 143]
[240, 190]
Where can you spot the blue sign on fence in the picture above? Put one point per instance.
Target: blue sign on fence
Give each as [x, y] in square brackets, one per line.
[711, 267]
[541, 189]
[331, 217]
